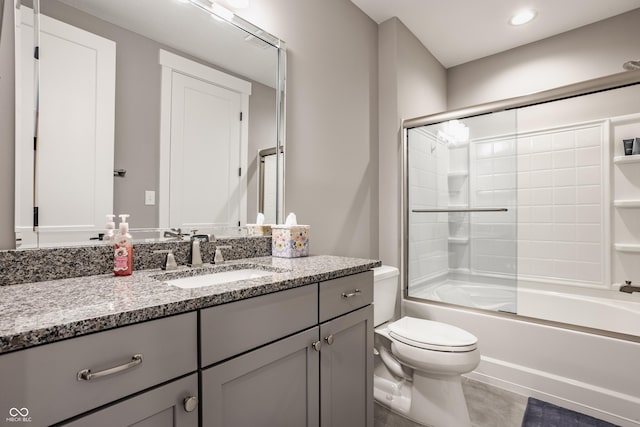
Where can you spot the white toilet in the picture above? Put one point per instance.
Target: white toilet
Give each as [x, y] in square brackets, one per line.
[419, 363]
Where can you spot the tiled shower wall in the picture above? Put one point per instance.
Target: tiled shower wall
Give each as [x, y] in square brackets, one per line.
[551, 181]
[560, 204]
[428, 232]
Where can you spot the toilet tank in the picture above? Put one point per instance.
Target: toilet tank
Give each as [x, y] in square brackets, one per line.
[385, 292]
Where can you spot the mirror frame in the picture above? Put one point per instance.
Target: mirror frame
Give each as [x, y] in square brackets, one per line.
[230, 18]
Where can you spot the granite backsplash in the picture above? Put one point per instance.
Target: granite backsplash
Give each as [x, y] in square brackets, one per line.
[37, 265]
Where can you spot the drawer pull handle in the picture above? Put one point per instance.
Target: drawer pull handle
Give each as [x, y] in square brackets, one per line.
[87, 375]
[329, 339]
[351, 294]
[317, 345]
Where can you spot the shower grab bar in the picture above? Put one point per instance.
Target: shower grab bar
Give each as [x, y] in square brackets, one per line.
[460, 210]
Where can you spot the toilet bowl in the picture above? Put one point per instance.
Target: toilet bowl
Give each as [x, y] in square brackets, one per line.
[419, 363]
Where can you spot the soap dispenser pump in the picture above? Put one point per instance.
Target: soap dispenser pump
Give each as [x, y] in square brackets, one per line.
[110, 229]
[123, 249]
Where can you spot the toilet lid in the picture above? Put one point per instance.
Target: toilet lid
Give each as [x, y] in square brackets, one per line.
[432, 335]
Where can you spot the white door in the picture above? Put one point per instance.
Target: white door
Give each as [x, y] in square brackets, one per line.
[206, 152]
[76, 132]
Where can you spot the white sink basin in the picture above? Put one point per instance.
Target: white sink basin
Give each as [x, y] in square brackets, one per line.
[218, 278]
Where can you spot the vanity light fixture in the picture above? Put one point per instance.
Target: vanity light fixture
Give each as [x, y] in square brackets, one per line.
[522, 17]
[215, 9]
[238, 4]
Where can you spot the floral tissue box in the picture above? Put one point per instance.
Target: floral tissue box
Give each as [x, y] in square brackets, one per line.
[290, 241]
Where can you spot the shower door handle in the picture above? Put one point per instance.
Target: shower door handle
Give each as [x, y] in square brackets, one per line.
[460, 210]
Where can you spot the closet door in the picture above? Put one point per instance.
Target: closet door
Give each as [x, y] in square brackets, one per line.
[76, 131]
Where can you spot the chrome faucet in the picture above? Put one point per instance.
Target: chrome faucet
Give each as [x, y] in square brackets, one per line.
[218, 258]
[195, 257]
[627, 288]
[175, 233]
[169, 260]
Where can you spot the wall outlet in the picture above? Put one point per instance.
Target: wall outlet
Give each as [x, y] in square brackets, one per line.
[149, 198]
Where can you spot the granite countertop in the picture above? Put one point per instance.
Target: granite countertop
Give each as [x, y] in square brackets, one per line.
[39, 313]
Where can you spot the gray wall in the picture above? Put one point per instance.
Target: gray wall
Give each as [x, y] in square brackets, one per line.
[332, 120]
[7, 120]
[585, 53]
[412, 83]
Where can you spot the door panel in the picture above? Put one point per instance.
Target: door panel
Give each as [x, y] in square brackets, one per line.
[276, 385]
[77, 79]
[205, 154]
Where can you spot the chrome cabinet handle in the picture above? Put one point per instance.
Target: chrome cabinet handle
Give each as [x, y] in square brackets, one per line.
[190, 403]
[316, 345]
[329, 339]
[356, 292]
[87, 375]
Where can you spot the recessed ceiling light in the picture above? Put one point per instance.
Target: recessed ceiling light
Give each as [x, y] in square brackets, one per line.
[522, 17]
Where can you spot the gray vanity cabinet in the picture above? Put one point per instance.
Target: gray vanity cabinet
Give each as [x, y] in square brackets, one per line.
[346, 355]
[322, 375]
[170, 405]
[346, 370]
[276, 385]
[57, 381]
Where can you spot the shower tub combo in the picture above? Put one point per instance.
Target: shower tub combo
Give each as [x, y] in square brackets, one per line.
[520, 225]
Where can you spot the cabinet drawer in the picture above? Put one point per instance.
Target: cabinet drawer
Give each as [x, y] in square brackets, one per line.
[164, 406]
[45, 379]
[340, 296]
[231, 329]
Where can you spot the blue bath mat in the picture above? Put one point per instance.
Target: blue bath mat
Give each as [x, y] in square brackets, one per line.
[543, 414]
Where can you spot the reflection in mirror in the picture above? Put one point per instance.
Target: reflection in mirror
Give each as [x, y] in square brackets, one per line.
[151, 108]
[270, 167]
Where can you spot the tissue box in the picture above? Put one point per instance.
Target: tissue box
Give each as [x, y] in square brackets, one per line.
[258, 230]
[290, 241]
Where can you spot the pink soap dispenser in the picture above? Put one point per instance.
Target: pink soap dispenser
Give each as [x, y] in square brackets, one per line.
[123, 249]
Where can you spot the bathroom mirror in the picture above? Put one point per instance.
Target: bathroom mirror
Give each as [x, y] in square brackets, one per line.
[154, 108]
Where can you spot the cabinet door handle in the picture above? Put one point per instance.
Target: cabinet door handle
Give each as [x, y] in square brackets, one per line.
[316, 345]
[329, 339]
[190, 403]
[356, 292]
[87, 375]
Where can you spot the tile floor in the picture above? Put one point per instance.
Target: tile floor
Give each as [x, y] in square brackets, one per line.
[489, 406]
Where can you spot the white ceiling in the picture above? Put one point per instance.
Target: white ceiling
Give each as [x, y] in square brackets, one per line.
[459, 31]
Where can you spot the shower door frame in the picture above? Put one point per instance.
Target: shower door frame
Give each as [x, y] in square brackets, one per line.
[614, 81]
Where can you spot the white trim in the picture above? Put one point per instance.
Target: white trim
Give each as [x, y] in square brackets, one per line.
[199, 71]
[173, 63]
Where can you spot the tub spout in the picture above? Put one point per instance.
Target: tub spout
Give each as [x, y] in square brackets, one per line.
[628, 288]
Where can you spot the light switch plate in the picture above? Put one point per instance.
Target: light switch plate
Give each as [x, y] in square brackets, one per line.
[149, 197]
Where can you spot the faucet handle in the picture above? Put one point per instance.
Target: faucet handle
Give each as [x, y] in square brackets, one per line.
[169, 262]
[218, 258]
[195, 259]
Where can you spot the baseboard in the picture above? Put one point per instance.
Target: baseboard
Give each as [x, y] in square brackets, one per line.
[561, 391]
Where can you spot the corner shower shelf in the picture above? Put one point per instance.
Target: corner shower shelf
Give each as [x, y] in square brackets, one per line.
[634, 158]
[455, 174]
[458, 240]
[627, 247]
[626, 203]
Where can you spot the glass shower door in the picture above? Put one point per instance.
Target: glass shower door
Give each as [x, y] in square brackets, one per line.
[461, 219]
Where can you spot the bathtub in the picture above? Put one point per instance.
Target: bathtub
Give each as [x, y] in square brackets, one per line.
[608, 310]
[590, 371]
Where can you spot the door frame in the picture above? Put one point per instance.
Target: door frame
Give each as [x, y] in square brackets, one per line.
[172, 63]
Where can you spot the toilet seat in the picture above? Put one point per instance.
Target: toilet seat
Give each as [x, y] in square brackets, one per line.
[431, 335]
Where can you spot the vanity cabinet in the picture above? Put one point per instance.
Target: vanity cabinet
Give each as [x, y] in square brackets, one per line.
[298, 357]
[57, 381]
[171, 405]
[321, 375]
